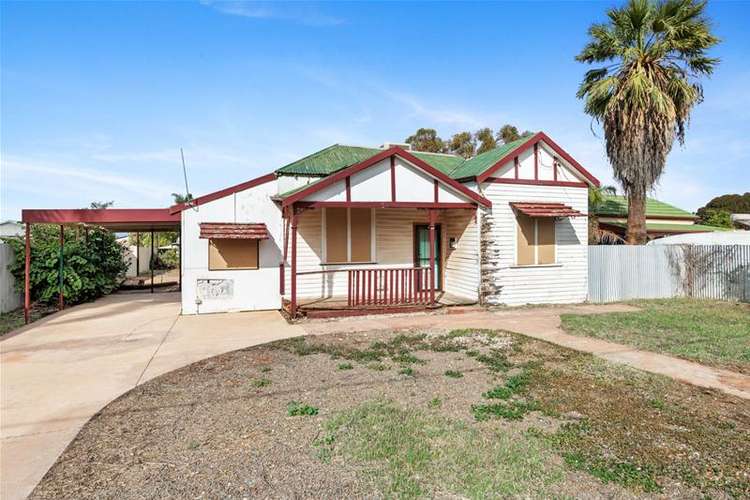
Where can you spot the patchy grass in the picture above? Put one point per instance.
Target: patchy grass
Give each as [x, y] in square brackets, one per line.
[453, 374]
[261, 382]
[526, 419]
[345, 366]
[296, 409]
[12, 320]
[410, 454]
[712, 332]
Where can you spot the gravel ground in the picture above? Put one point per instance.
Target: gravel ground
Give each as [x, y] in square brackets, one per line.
[220, 428]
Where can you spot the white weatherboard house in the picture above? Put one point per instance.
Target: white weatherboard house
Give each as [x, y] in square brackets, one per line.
[354, 229]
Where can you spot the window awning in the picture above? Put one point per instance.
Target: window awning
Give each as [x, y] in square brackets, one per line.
[537, 209]
[231, 231]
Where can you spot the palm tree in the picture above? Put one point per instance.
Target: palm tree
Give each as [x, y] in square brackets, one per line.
[597, 197]
[180, 198]
[655, 52]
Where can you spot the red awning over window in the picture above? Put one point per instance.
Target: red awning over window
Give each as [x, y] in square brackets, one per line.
[226, 230]
[536, 209]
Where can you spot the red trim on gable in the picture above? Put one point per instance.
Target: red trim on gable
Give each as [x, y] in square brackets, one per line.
[222, 193]
[437, 189]
[381, 204]
[515, 167]
[338, 176]
[536, 161]
[532, 182]
[348, 189]
[534, 139]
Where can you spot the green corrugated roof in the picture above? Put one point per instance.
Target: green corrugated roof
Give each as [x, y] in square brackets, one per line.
[670, 228]
[475, 166]
[617, 206]
[337, 157]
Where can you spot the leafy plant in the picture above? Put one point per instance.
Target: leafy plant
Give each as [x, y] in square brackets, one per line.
[93, 263]
[453, 374]
[296, 409]
[407, 370]
[345, 366]
[261, 382]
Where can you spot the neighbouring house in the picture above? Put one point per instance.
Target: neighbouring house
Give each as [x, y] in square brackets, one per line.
[662, 219]
[10, 299]
[741, 221]
[352, 229]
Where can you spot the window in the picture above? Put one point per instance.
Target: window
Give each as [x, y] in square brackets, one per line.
[536, 240]
[348, 235]
[232, 254]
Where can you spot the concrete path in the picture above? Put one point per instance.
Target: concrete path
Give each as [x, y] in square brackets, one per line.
[58, 372]
[544, 323]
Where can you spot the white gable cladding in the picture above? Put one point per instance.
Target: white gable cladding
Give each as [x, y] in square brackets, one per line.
[373, 184]
[563, 282]
[252, 289]
[546, 156]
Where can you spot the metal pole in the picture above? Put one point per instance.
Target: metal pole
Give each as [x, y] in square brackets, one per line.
[61, 303]
[27, 274]
[137, 255]
[151, 261]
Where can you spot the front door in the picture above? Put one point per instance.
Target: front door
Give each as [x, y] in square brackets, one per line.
[422, 251]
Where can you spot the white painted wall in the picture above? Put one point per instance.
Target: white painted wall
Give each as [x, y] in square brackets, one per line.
[563, 282]
[253, 289]
[10, 299]
[130, 254]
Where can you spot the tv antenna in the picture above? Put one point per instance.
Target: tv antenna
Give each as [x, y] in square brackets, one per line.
[188, 196]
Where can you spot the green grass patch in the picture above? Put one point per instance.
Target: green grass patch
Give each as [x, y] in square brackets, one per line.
[509, 410]
[407, 370]
[411, 454]
[453, 374]
[261, 382]
[296, 409]
[265, 369]
[345, 366]
[711, 332]
[435, 402]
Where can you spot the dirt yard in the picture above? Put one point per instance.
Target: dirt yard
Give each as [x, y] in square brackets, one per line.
[463, 413]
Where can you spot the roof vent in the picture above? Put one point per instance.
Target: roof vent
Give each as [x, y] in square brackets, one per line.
[402, 145]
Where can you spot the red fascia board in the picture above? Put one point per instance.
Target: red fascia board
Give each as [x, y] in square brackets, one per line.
[100, 216]
[349, 171]
[223, 192]
[383, 204]
[535, 139]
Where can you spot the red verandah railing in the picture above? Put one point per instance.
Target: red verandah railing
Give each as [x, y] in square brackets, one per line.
[388, 286]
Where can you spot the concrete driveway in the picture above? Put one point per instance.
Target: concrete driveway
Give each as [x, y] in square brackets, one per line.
[58, 372]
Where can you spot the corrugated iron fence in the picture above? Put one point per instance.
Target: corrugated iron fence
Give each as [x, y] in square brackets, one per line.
[622, 272]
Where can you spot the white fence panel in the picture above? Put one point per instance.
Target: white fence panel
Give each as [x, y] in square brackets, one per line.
[623, 272]
[9, 298]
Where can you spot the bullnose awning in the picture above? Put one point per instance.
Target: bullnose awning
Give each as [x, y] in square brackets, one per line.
[538, 209]
[233, 231]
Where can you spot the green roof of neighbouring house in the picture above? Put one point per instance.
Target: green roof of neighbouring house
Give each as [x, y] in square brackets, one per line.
[337, 157]
[652, 227]
[617, 206]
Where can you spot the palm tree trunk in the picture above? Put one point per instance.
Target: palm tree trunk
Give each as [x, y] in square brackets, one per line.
[636, 219]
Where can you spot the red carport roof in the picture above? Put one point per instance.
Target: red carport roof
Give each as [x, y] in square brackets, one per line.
[232, 231]
[538, 209]
[114, 219]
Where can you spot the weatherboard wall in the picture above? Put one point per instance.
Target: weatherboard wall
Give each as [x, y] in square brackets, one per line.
[563, 282]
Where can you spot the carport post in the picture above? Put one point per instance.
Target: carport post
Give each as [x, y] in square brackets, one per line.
[61, 300]
[137, 255]
[151, 261]
[26, 276]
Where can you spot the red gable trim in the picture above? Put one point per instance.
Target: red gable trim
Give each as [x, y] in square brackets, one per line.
[534, 140]
[225, 230]
[222, 193]
[394, 151]
[537, 209]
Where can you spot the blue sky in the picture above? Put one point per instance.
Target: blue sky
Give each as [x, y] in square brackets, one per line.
[97, 98]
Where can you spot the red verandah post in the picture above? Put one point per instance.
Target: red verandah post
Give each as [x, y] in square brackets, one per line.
[433, 220]
[294, 263]
[27, 274]
[61, 300]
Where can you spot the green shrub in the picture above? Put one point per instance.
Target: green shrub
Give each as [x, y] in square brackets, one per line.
[93, 265]
[296, 409]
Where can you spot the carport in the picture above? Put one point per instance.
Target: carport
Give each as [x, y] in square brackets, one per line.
[137, 220]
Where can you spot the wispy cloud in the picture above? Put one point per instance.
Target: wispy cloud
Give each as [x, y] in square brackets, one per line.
[294, 12]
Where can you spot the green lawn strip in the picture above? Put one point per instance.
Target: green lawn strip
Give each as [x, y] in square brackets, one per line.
[716, 333]
[410, 453]
[296, 409]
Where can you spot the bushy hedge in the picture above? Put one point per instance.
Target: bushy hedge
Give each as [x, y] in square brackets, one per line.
[92, 266]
